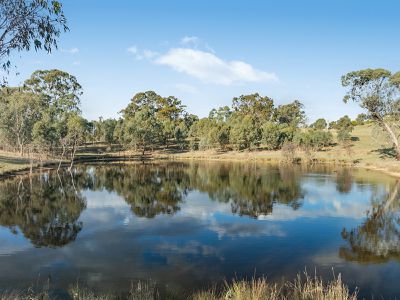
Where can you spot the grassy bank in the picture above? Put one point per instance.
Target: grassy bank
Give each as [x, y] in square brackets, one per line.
[364, 152]
[303, 287]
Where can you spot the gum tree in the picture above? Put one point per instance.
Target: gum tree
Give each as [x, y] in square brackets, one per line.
[377, 91]
[26, 24]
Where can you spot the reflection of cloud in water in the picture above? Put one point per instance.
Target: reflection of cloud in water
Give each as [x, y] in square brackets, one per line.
[11, 244]
[327, 259]
[245, 229]
[323, 201]
[189, 248]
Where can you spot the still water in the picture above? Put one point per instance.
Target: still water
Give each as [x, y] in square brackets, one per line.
[188, 226]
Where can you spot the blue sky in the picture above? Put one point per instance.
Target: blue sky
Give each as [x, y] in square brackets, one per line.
[205, 52]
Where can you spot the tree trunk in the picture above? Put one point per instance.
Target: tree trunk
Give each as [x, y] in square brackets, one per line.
[394, 139]
[21, 146]
[72, 157]
[62, 156]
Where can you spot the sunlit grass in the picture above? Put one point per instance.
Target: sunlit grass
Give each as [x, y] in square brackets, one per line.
[303, 287]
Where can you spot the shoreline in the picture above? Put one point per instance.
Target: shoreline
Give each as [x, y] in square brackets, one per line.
[255, 156]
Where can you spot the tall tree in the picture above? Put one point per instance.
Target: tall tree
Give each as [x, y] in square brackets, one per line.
[377, 91]
[19, 111]
[29, 23]
[319, 124]
[142, 129]
[60, 92]
[76, 133]
[260, 108]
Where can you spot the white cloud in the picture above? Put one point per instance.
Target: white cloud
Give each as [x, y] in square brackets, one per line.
[142, 54]
[71, 51]
[195, 42]
[190, 40]
[209, 68]
[76, 62]
[132, 49]
[149, 54]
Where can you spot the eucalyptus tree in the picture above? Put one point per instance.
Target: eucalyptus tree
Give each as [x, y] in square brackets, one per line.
[319, 124]
[291, 114]
[377, 91]
[151, 119]
[76, 134]
[19, 111]
[26, 24]
[344, 127]
[60, 93]
[142, 129]
[249, 113]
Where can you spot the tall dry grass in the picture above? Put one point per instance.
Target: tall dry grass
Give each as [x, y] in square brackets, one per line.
[303, 287]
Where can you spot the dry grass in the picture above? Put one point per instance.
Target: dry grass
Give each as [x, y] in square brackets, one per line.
[302, 288]
[366, 151]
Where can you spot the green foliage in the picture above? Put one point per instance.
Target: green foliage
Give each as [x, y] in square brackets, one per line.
[291, 114]
[377, 91]
[25, 24]
[170, 121]
[245, 133]
[344, 123]
[313, 139]
[361, 119]
[274, 135]
[19, 111]
[142, 129]
[319, 124]
[260, 108]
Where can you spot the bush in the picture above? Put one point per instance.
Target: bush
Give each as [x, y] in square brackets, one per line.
[315, 139]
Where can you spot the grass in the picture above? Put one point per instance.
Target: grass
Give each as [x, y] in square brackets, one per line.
[365, 152]
[303, 287]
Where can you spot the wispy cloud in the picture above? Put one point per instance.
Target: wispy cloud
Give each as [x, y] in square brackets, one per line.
[209, 68]
[76, 62]
[190, 40]
[195, 42]
[142, 54]
[132, 49]
[71, 50]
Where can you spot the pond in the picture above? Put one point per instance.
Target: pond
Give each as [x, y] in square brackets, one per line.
[187, 226]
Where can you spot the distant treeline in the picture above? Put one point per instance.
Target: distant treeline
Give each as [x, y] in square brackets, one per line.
[43, 117]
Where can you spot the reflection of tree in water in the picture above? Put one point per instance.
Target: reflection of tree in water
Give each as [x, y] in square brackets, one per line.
[378, 238]
[45, 208]
[344, 181]
[150, 190]
[161, 188]
[252, 191]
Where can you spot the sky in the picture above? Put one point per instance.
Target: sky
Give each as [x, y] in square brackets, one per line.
[205, 52]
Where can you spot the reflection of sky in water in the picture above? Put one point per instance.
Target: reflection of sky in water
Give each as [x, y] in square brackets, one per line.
[202, 242]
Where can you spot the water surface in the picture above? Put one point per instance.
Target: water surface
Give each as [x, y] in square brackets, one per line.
[187, 226]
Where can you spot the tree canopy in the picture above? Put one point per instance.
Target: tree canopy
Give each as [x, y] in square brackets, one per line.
[26, 24]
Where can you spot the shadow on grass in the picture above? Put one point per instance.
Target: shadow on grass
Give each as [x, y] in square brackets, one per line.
[386, 152]
[14, 160]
